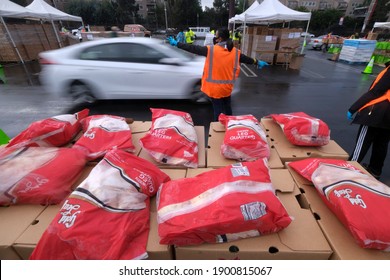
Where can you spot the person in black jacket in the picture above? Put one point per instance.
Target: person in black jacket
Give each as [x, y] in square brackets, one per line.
[373, 115]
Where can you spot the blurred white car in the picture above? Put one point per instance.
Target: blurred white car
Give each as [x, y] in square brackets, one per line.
[122, 68]
[317, 43]
[308, 35]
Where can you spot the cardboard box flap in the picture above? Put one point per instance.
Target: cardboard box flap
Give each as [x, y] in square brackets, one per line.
[282, 180]
[140, 126]
[217, 127]
[16, 219]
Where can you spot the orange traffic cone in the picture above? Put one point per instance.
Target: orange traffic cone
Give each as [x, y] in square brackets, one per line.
[368, 69]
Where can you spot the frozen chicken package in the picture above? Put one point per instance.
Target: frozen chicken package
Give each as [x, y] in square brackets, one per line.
[103, 133]
[234, 202]
[303, 130]
[107, 216]
[38, 175]
[172, 139]
[244, 140]
[51, 132]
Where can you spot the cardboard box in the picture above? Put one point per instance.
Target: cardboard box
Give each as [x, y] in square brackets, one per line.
[290, 152]
[343, 245]
[215, 140]
[201, 151]
[155, 250]
[301, 240]
[26, 243]
[14, 220]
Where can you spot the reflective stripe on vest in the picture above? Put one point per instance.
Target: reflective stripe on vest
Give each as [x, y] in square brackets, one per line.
[384, 97]
[211, 61]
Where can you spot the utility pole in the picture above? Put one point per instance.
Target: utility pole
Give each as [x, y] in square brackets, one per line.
[370, 11]
[166, 18]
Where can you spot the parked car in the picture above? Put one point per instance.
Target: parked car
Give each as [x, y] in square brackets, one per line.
[122, 68]
[308, 35]
[317, 42]
[138, 30]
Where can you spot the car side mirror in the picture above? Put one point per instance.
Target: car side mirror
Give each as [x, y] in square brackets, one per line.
[171, 61]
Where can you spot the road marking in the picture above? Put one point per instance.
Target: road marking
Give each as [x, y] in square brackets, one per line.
[312, 74]
[252, 74]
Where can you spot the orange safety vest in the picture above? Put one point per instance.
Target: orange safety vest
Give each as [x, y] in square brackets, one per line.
[384, 97]
[221, 71]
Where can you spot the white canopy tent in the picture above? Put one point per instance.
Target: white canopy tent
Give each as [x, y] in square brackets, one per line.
[50, 13]
[271, 11]
[240, 17]
[10, 9]
[381, 25]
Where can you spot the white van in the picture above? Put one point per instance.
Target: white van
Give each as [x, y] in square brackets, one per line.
[200, 32]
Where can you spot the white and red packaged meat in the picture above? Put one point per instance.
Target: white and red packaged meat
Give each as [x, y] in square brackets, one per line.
[172, 139]
[306, 167]
[107, 216]
[103, 133]
[303, 130]
[38, 175]
[52, 132]
[220, 205]
[359, 201]
[245, 139]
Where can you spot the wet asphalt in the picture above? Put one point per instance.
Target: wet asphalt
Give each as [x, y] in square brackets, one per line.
[321, 88]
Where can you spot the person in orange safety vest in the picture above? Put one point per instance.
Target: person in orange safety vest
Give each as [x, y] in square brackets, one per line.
[373, 115]
[221, 69]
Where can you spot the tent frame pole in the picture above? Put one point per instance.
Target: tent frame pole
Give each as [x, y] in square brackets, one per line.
[304, 39]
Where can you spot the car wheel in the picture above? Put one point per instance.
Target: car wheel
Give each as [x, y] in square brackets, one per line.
[80, 92]
[197, 95]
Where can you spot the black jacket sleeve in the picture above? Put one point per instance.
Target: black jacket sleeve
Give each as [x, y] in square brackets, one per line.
[202, 50]
[377, 91]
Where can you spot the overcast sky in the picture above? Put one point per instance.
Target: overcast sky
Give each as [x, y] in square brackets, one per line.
[208, 3]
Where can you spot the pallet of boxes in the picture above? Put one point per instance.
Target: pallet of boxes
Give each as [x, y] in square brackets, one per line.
[174, 195]
[274, 46]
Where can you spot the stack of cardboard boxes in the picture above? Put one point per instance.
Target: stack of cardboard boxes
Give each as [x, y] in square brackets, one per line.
[272, 45]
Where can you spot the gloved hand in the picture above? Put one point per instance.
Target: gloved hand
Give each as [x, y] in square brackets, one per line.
[261, 64]
[172, 41]
[349, 116]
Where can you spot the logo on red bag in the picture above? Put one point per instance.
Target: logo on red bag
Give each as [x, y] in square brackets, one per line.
[346, 193]
[69, 214]
[30, 182]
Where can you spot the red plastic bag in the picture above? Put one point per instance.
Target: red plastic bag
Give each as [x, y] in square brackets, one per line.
[103, 133]
[38, 175]
[107, 216]
[306, 167]
[244, 139]
[359, 201]
[172, 138]
[221, 205]
[303, 130]
[52, 132]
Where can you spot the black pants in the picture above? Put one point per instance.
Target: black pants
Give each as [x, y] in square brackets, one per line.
[379, 139]
[222, 105]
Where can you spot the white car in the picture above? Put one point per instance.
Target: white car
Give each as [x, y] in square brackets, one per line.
[122, 68]
[308, 35]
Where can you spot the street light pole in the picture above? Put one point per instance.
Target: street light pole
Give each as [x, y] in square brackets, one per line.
[166, 18]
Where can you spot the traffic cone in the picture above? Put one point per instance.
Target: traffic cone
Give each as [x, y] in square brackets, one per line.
[4, 139]
[369, 66]
[2, 75]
